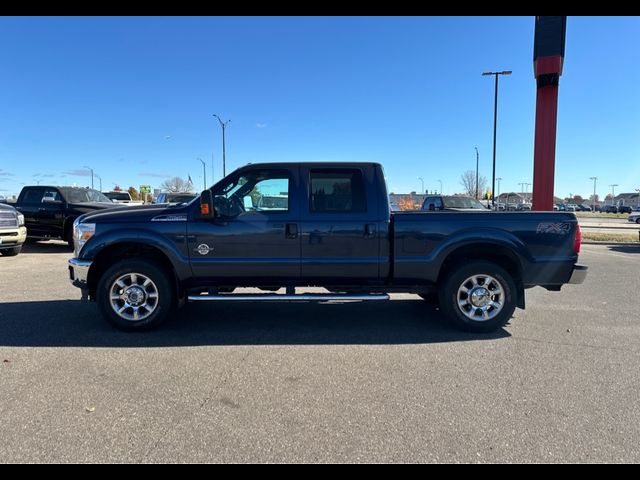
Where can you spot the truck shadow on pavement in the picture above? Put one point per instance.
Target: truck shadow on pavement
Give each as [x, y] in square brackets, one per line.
[71, 323]
[625, 248]
[54, 246]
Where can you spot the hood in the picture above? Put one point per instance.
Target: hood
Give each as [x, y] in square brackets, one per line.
[7, 208]
[141, 213]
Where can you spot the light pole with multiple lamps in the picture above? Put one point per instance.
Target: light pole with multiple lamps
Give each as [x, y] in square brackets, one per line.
[495, 123]
[440, 182]
[593, 203]
[91, 169]
[204, 170]
[613, 192]
[223, 125]
[477, 165]
[99, 178]
[422, 182]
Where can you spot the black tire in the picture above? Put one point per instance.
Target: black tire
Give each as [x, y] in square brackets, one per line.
[449, 297]
[68, 236]
[159, 308]
[11, 252]
[638, 220]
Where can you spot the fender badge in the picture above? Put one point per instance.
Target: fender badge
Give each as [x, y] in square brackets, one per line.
[203, 249]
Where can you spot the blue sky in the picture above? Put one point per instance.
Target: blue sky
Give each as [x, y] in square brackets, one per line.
[134, 97]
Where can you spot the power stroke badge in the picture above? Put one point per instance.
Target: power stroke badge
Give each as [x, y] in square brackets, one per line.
[203, 249]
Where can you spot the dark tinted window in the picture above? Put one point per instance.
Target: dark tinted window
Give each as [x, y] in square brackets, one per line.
[33, 195]
[337, 190]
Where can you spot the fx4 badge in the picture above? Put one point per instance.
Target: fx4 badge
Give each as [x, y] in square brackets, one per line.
[203, 249]
[554, 228]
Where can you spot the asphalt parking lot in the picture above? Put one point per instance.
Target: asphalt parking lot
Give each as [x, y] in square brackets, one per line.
[386, 382]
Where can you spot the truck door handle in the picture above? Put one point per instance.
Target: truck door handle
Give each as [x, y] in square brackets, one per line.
[370, 230]
[291, 230]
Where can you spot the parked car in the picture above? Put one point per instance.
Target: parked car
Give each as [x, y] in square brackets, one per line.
[524, 207]
[624, 209]
[174, 197]
[13, 233]
[336, 232]
[272, 202]
[123, 198]
[583, 208]
[634, 217]
[3, 199]
[50, 211]
[610, 209]
[451, 203]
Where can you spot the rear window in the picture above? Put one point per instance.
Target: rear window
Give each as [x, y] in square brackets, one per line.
[337, 191]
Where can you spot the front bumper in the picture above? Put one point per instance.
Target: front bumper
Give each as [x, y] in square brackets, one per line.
[579, 274]
[13, 237]
[78, 272]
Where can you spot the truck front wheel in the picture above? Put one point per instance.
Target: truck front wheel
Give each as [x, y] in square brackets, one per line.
[135, 295]
[478, 297]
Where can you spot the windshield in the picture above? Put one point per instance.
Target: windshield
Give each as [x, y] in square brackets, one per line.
[81, 195]
[462, 202]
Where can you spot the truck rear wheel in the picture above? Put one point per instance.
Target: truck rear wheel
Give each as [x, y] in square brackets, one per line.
[135, 295]
[478, 297]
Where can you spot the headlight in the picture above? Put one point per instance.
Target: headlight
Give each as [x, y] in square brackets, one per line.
[20, 220]
[81, 233]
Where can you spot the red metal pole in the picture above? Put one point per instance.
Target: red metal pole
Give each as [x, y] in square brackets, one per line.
[548, 59]
[544, 154]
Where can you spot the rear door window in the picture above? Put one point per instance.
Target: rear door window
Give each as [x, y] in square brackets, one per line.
[337, 191]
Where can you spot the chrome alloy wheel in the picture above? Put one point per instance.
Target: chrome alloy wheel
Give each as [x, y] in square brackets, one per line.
[481, 297]
[134, 297]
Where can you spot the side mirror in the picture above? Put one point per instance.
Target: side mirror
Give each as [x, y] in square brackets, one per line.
[206, 205]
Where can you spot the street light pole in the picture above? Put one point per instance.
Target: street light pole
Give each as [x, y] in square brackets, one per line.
[99, 178]
[522, 184]
[593, 203]
[498, 180]
[526, 190]
[613, 192]
[422, 182]
[440, 181]
[477, 165]
[204, 169]
[91, 174]
[495, 124]
[223, 125]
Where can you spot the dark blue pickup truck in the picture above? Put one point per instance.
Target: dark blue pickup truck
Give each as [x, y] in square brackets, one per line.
[286, 225]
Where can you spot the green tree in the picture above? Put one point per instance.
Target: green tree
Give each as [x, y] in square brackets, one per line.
[134, 193]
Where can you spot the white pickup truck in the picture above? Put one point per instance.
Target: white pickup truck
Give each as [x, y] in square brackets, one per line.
[123, 198]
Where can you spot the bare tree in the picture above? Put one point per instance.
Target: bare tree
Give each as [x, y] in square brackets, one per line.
[468, 181]
[176, 184]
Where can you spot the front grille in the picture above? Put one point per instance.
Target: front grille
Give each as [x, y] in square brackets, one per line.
[8, 220]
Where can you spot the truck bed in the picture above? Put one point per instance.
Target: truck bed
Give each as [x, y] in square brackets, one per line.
[539, 244]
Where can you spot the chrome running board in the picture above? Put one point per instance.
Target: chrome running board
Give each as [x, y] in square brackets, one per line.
[274, 297]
